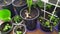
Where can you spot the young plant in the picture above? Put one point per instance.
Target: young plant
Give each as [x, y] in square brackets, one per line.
[54, 20]
[19, 32]
[29, 3]
[17, 19]
[7, 26]
[46, 23]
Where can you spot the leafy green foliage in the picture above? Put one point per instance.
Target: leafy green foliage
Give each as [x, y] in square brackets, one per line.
[19, 32]
[7, 26]
[17, 19]
[54, 19]
[5, 15]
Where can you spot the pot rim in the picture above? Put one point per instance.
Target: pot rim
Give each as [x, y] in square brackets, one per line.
[9, 3]
[18, 6]
[32, 18]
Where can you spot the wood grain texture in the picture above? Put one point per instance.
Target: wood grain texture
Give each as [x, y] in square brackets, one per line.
[38, 31]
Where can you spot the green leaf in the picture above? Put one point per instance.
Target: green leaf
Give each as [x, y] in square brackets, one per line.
[29, 3]
[5, 15]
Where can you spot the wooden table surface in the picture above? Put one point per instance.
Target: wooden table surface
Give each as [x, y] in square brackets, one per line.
[38, 31]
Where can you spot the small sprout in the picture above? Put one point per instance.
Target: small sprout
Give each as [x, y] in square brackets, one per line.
[47, 23]
[6, 27]
[17, 19]
[19, 32]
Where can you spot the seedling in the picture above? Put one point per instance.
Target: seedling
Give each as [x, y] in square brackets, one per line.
[17, 19]
[7, 26]
[18, 32]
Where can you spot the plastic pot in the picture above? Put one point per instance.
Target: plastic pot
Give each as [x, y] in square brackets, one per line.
[19, 3]
[20, 29]
[6, 27]
[31, 25]
[6, 2]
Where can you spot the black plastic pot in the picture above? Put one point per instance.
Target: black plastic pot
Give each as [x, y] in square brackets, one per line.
[20, 29]
[6, 2]
[34, 13]
[31, 25]
[43, 26]
[45, 29]
[7, 30]
[19, 3]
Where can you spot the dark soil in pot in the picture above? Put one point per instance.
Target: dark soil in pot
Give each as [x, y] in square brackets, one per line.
[50, 8]
[6, 27]
[31, 24]
[26, 16]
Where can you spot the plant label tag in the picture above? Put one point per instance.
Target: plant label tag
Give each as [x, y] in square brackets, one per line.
[46, 1]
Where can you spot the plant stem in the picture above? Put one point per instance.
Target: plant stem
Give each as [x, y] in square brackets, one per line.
[29, 10]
